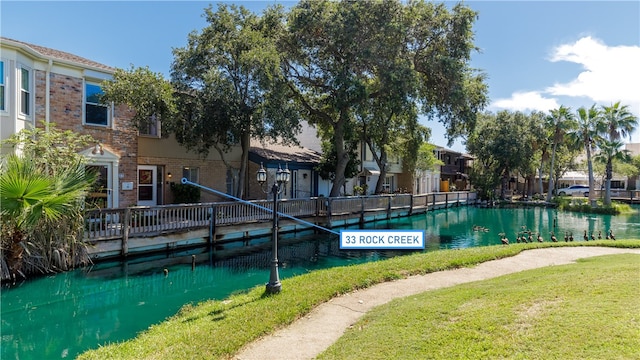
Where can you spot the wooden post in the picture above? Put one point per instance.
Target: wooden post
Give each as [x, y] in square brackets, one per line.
[329, 213]
[126, 226]
[389, 206]
[361, 210]
[212, 224]
[446, 200]
[411, 205]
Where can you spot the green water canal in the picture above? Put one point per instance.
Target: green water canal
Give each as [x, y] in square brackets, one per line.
[62, 315]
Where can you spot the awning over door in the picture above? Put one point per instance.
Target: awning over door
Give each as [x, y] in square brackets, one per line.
[368, 171]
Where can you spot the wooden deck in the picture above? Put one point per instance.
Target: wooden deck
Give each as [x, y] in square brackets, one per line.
[120, 232]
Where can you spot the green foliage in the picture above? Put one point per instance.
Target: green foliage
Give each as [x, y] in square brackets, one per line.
[42, 198]
[610, 151]
[426, 159]
[584, 206]
[559, 122]
[585, 136]
[36, 204]
[502, 143]
[616, 123]
[185, 193]
[230, 85]
[327, 166]
[485, 178]
[378, 62]
[148, 93]
[51, 148]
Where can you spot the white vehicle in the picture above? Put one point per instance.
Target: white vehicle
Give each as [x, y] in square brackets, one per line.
[574, 190]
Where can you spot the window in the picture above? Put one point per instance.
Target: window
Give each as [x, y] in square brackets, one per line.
[150, 128]
[617, 184]
[25, 92]
[387, 186]
[190, 174]
[2, 88]
[95, 113]
[232, 175]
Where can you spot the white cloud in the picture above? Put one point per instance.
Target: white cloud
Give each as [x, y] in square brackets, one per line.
[526, 101]
[611, 73]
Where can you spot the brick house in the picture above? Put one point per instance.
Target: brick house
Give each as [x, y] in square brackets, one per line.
[136, 167]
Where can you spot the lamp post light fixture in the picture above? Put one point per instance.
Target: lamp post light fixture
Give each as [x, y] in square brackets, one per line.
[282, 177]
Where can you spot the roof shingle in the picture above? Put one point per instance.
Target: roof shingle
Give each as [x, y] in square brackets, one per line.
[61, 55]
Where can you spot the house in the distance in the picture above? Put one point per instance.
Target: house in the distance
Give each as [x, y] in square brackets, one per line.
[136, 167]
[454, 174]
[305, 182]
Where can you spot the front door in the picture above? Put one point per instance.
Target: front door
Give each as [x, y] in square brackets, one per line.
[147, 185]
[101, 194]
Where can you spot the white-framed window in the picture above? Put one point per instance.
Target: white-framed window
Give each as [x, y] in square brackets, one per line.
[26, 94]
[95, 113]
[3, 88]
[190, 173]
[387, 186]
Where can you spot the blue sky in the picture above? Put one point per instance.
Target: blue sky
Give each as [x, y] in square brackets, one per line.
[538, 55]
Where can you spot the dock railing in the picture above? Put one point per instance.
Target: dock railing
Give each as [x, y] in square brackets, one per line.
[148, 221]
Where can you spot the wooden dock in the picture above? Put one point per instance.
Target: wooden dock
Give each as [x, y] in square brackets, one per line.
[114, 233]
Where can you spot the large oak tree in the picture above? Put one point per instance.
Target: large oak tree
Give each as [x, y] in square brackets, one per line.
[230, 86]
[337, 56]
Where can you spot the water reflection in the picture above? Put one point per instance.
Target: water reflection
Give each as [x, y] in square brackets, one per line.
[62, 315]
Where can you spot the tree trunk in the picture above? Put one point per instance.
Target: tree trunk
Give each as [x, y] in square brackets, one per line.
[245, 143]
[503, 184]
[342, 157]
[540, 183]
[382, 162]
[607, 189]
[531, 185]
[551, 182]
[383, 174]
[592, 195]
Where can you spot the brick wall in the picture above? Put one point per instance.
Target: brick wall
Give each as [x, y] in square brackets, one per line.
[212, 173]
[65, 110]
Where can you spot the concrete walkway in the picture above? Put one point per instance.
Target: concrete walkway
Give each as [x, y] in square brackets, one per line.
[309, 336]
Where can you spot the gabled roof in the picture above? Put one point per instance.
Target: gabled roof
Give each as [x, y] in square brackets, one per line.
[451, 151]
[48, 53]
[284, 153]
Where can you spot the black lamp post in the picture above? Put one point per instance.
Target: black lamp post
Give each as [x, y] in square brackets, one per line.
[282, 177]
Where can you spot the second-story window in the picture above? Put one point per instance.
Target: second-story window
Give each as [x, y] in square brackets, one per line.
[95, 113]
[25, 92]
[150, 128]
[2, 87]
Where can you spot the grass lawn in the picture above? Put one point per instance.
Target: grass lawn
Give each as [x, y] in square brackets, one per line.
[218, 329]
[588, 310]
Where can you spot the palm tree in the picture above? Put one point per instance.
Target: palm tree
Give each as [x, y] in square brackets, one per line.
[610, 150]
[585, 135]
[617, 121]
[560, 121]
[29, 196]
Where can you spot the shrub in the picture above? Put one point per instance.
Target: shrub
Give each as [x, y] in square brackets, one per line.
[185, 193]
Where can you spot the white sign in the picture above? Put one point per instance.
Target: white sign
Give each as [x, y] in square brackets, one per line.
[382, 239]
